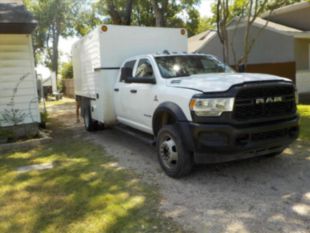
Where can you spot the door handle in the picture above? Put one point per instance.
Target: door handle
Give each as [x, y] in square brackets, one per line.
[116, 89]
[133, 91]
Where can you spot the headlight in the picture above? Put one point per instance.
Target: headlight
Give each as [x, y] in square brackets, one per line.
[212, 107]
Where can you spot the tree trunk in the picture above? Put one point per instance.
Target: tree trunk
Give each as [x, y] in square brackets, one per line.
[222, 14]
[128, 12]
[114, 14]
[120, 17]
[159, 13]
[55, 49]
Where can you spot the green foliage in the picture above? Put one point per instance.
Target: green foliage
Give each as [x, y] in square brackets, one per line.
[67, 70]
[6, 135]
[69, 17]
[274, 4]
[55, 18]
[60, 86]
[44, 116]
[193, 21]
[176, 13]
[142, 13]
[204, 25]
[87, 21]
[304, 111]
[240, 7]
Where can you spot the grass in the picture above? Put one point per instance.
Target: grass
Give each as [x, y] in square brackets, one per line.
[63, 101]
[304, 111]
[86, 191]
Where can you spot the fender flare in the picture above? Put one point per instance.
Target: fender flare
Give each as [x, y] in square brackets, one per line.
[172, 109]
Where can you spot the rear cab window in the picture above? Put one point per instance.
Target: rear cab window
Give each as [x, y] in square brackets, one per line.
[131, 65]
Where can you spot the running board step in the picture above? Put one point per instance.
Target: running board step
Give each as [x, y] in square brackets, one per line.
[146, 138]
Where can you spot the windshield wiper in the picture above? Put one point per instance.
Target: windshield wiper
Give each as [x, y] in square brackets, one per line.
[182, 75]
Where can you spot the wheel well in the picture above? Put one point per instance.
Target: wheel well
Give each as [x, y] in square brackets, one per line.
[161, 119]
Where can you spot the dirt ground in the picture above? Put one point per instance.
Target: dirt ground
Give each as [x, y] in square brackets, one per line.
[258, 195]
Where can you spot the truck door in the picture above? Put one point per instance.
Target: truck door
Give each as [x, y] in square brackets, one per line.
[121, 94]
[138, 97]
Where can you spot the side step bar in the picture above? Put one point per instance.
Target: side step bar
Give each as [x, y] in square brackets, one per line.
[144, 137]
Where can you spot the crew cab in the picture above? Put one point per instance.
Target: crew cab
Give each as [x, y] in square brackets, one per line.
[197, 109]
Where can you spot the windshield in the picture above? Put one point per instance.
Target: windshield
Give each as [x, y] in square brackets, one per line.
[180, 65]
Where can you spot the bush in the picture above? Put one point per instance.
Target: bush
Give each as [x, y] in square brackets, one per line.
[304, 111]
[44, 118]
[6, 135]
[67, 70]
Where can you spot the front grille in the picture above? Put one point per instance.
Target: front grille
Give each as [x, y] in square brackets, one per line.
[246, 138]
[265, 101]
[269, 135]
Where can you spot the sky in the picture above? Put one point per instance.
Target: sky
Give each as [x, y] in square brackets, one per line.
[205, 8]
[65, 45]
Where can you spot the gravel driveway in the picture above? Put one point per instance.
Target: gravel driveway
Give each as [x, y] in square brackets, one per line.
[257, 195]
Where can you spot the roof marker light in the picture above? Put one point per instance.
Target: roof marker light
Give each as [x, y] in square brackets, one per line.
[183, 32]
[104, 28]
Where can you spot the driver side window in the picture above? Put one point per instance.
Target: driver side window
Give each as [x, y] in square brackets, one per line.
[144, 69]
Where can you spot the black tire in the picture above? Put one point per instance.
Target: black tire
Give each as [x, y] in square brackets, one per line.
[89, 123]
[173, 157]
[99, 126]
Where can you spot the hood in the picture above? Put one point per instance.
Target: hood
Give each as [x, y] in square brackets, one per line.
[219, 82]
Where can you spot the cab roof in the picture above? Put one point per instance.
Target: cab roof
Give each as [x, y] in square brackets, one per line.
[172, 53]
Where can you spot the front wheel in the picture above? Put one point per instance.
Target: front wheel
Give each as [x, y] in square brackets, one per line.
[173, 157]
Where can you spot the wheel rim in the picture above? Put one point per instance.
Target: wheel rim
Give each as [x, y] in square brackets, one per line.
[168, 152]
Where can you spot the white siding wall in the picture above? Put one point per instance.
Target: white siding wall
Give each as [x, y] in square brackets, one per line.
[17, 76]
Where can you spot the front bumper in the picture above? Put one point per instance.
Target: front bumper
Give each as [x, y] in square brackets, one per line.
[213, 143]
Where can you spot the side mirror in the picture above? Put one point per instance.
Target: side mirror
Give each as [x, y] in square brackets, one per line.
[125, 73]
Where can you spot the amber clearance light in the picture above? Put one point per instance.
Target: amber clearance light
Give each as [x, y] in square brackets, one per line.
[104, 28]
[183, 32]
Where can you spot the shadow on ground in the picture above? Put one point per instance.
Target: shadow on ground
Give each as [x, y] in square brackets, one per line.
[86, 191]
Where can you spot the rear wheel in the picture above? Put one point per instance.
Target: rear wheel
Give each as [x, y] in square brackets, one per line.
[173, 157]
[89, 123]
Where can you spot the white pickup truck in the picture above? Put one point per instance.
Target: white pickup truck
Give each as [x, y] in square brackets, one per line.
[197, 109]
